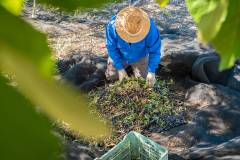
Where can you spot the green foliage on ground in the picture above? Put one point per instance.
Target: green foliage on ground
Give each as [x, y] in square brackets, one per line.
[131, 105]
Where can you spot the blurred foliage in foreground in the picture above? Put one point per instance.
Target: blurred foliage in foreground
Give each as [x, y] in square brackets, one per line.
[24, 133]
[13, 6]
[218, 23]
[163, 3]
[29, 59]
[24, 53]
[131, 105]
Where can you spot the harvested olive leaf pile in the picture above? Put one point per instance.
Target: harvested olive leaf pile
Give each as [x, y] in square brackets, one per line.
[131, 105]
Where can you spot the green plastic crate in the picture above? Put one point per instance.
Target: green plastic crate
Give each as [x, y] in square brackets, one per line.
[135, 146]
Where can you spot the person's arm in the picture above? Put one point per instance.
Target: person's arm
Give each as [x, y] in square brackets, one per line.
[113, 51]
[154, 46]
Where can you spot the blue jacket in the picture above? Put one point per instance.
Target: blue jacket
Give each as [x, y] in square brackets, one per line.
[122, 52]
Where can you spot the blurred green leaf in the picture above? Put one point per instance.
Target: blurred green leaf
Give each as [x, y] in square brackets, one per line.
[25, 134]
[71, 5]
[218, 23]
[23, 51]
[14, 6]
[209, 16]
[30, 43]
[163, 3]
[227, 41]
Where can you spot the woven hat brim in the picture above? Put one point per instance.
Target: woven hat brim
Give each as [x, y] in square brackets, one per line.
[124, 34]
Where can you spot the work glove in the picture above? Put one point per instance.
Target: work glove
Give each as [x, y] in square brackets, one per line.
[122, 74]
[151, 79]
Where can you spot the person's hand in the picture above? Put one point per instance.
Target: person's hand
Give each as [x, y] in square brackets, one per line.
[122, 74]
[151, 79]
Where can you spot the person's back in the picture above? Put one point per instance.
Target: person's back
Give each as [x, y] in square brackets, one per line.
[132, 39]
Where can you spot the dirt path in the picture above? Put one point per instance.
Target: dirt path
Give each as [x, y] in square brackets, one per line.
[84, 33]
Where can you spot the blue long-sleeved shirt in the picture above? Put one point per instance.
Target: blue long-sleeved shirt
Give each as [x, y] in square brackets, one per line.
[122, 52]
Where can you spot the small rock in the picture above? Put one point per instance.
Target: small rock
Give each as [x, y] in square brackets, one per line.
[203, 95]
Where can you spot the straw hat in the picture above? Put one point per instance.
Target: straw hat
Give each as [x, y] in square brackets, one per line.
[132, 24]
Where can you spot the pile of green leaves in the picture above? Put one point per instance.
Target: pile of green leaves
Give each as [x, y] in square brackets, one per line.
[218, 24]
[131, 105]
